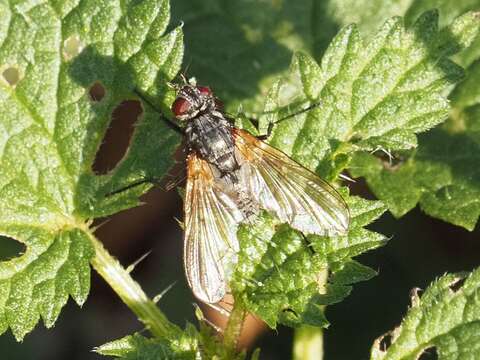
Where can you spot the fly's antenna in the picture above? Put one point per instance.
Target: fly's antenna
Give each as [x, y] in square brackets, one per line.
[173, 125]
[184, 73]
[184, 78]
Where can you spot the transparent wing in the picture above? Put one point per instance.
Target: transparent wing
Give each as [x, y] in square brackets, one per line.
[210, 244]
[295, 194]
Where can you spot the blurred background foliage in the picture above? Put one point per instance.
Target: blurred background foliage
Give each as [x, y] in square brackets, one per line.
[239, 48]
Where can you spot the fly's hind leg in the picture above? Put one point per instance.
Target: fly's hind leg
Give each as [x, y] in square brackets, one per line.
[173, 182]
[153, 181]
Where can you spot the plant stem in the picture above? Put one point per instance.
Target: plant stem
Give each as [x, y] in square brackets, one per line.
[131, 293]
[308, 343]
[234, 326]
[308, 340]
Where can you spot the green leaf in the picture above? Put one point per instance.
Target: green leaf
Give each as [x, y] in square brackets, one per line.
[371, 94]
[367, 14]
[449, 10]
[51, 53]
[442, 174]
[279, 270]
[237, 36]
[193, 344]
[446, 317]
[250, 44]
[138, 347]
[379, 93]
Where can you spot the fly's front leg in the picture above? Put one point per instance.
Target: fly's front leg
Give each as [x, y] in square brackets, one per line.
[255, 122]
[269, 132]
[287, 117]
[172, 124]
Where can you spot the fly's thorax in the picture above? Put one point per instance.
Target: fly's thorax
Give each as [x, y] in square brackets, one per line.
[210, 135]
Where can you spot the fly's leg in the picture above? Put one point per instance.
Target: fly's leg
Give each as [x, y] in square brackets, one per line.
[153, 181]
[255, 122]
[176, 181]
[269, 131]
[171, 184]
[308, 243]
[271, 125]
[173, 125]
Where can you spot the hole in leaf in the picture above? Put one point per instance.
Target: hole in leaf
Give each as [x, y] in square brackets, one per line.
[429, 354]
[390, 161]
[11, 75]
[72, 47]
[457, 285]
[97, 92]
[117, 138]
[385, 342]
[415, 296]
[290, 311]
[10, 248]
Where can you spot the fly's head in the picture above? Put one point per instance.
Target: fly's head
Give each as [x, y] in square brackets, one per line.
[192, 100]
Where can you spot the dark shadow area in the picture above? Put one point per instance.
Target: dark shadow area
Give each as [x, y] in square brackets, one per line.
[232, 45]
[117, 138]
[421, 249]
[458, 151]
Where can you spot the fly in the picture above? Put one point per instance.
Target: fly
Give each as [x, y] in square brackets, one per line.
[231, 175]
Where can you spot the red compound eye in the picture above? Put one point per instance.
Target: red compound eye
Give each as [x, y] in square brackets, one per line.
[180, 106]
[204, 90]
